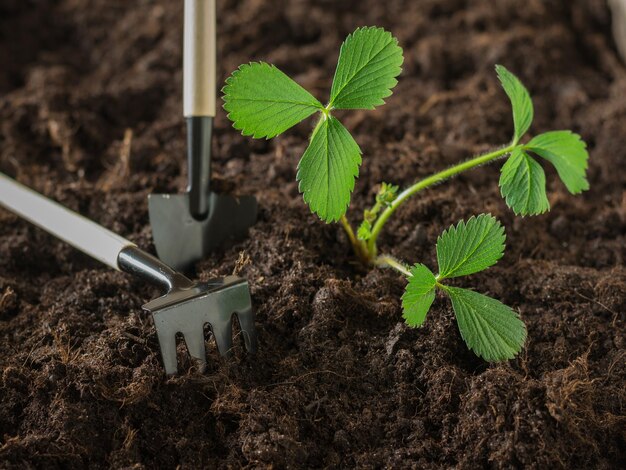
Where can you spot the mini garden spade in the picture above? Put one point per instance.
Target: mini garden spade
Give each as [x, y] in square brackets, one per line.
[185, 308]
[186, 227]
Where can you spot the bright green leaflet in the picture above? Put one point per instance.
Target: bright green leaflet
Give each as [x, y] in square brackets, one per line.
[369, 61]
[328, 168]
[419, 295]
[364, 232]
[263, 102]
[523, 184]
[470, 247]
[568, 153]
[520, 101]
[491, 329]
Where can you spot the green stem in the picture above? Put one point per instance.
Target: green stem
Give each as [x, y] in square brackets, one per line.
[425, 183]
[357, 245]
[348, 228]
[386, 260]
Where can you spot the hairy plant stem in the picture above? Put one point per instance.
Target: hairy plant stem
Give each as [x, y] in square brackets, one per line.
[391, 262]
[359, 247]
[368, 251]
[425, 183]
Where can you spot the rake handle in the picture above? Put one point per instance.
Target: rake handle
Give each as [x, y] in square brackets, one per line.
[87, 236]
[73, 228]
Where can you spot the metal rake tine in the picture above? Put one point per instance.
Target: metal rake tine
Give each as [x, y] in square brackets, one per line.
[195, 345]
[223, 334]
[167, 342]
[246, 323]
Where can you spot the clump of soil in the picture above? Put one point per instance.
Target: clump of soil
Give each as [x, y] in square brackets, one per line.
[90, 115]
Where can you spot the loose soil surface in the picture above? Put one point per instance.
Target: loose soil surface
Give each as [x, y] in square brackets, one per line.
[90, 115]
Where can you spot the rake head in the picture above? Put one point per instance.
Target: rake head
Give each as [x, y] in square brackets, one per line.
[188, 307]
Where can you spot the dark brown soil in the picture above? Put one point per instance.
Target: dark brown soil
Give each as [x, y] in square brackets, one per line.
[339, 381]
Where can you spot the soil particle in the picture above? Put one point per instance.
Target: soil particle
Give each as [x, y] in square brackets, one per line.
[90, 108]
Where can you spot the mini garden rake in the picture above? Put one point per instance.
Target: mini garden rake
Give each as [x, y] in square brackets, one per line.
[186, 227]
[185, 308]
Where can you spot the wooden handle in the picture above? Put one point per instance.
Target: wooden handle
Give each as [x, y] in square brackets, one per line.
[199, 61]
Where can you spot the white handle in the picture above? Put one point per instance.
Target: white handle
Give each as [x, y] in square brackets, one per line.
[199, 58]
[78, 231]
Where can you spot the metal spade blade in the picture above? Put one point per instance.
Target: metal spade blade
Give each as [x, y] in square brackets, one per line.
[181, 240]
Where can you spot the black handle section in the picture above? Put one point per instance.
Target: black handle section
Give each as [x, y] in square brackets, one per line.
[199, 130]
[145, 266]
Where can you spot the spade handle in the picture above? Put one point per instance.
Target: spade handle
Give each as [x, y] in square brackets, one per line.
[199, 58]
[73, 228]
[199, 99]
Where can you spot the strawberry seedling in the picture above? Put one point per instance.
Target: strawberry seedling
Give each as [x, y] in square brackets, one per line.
[264, 102]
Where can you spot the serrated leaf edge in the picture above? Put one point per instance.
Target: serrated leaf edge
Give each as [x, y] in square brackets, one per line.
[463, 224]
[230, 114]
[506, 73]
[430, 293]
[530, 147]
[306, 194]
[389, 90]
[508, 198]
[450, 292]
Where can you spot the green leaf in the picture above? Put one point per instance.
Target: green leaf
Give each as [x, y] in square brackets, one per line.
[263, 102]
[387, 194]
[419, 295]
[489, 328]
[523, 184]
[369, 61]
[568, 153]
[520, 101]
[364, 231]
[328, 168]
[470, 248]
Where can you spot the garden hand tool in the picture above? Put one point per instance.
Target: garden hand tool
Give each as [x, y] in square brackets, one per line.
[186, 227]
[186, 306]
